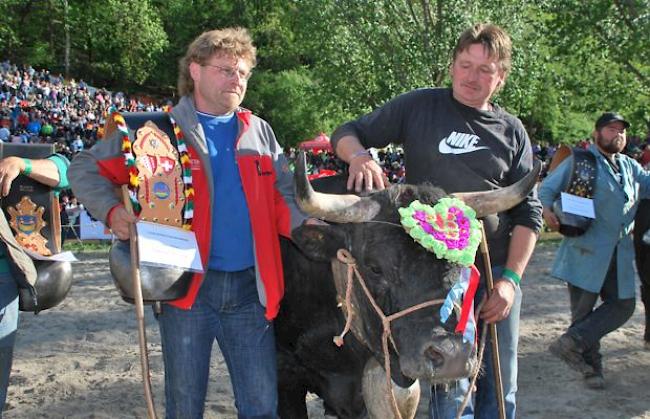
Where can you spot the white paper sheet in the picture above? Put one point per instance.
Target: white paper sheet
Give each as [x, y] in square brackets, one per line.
[161, 245]
[577, 205]
[67, 256]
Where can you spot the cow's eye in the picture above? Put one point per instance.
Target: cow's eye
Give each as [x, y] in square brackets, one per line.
[375, 269]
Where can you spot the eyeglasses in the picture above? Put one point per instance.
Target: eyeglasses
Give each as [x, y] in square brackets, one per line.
[229, 72]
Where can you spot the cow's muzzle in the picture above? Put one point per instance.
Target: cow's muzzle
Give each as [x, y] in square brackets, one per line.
[441, 359]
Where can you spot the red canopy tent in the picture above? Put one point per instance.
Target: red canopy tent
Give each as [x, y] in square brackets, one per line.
[322, 173]
[320, 143]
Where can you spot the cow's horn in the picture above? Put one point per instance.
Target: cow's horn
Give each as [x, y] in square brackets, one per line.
[330, 207]
[492, 202]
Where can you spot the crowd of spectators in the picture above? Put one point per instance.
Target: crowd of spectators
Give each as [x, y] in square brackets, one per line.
[39, 107]
[322, 162]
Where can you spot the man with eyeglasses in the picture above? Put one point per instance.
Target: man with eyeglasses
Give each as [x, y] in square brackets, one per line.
[460, 140]
[243, 202]
[598, 263]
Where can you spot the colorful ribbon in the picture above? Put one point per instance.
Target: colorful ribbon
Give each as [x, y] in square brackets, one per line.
[463, 290]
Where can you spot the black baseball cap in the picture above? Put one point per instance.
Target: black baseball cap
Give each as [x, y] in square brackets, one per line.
[608, 118]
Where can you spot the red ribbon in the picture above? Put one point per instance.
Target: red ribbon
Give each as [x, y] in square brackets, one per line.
[468, 299]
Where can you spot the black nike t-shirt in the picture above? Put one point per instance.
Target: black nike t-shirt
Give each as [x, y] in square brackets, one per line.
[457, 148]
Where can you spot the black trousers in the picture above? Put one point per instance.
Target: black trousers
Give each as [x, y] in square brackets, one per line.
[642, 256]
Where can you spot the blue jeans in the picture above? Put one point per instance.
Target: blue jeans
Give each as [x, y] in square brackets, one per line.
[227, 309]
[8, 327]
[444, 404]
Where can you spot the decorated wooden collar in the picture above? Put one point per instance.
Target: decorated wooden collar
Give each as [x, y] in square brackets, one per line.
[449, 229]
[160, 175]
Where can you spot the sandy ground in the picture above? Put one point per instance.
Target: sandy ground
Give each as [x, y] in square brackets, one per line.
[80, 359]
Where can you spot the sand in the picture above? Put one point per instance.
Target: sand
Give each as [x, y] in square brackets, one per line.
[81, 359]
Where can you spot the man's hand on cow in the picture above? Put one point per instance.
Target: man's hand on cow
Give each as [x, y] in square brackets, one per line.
[10, 168]
[498, 305]
[551, 219]
[364, 170]
[119, 222]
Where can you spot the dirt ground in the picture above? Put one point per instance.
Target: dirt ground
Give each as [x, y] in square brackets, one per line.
[81, 360]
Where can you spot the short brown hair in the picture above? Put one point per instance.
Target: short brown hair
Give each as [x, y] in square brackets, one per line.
[228, 41]
[494, 39]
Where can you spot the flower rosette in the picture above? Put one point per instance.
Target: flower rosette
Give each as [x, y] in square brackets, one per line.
[449, 229]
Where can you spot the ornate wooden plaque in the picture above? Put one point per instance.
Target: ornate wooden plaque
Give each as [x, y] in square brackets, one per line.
[27, 222]
[161, 192]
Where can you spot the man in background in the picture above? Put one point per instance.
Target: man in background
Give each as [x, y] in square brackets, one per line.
[598, 263]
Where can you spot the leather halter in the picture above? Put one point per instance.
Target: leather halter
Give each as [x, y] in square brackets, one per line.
[344, 256]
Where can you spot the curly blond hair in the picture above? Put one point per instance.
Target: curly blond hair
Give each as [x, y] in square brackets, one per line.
[235, 42]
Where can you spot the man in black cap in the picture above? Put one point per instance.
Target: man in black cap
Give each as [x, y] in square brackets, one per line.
[598, 263]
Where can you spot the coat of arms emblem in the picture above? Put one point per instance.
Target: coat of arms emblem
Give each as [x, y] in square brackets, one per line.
[27, 222]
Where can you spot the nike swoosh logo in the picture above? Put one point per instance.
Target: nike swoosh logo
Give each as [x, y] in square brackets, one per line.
[445, 148]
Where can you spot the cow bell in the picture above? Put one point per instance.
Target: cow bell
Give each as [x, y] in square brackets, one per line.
[158, 283]
[582, 183]
[53, 282]
[571, 225]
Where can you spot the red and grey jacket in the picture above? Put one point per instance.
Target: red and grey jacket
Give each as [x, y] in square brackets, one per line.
[266, 180]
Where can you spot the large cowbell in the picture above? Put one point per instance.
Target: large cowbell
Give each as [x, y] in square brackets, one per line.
[158, 283]
[31, 205]
[582, 183]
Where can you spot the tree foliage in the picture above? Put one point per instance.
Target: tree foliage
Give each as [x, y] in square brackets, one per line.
[605, 51]
[321, 62]
[111, 41]
[117, 39]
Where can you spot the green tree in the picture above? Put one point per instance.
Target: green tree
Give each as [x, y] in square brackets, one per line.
[116, 41]
[184, 20]
[27, 31]
[321, 62]
[369, 51]
[296, 117]
[571, 59]
[604, 49]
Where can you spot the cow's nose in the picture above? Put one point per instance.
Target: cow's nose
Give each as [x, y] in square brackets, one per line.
[434, 355]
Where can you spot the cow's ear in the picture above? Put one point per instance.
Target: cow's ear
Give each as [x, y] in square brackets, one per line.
[319, 242]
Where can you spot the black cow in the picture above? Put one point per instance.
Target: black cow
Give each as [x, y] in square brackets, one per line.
[642, 254]
[399, 272]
